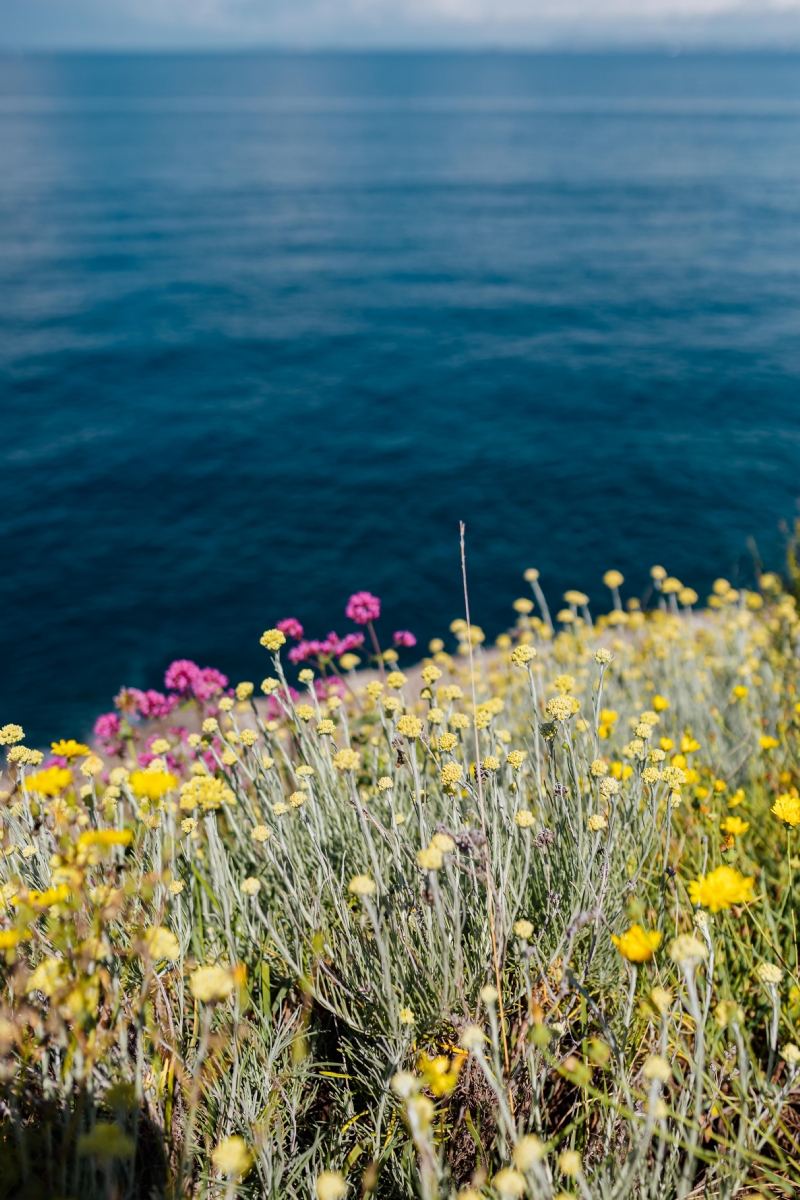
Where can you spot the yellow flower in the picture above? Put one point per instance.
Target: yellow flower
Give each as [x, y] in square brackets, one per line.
[491, 763]
[406, 1016]
[304, 711]
[106, 837]
[205, 790]
[613, 579]
[560, 708]
[326, 728]
[8, 938]
[251, 886]
[10, 734]
[260, 833]
[430, 859]
[636, 944]
[660, 704]
[768, 743]
[522, 655]
[211, 983]
[597, 822]
[509, 1182]
[272, 639]
[232, 1157]
[385, 783]
[347, 760]
[524, 818]
[409, 726]
[523, 929]
[443, 842]
[152, 784]
[528, 1151]
[361, 885]
[721, 888]
[161, 943]
[734, 825]
[69, 749]
[515, 759]
[49, 782]
[330, 1185]
[787, 808]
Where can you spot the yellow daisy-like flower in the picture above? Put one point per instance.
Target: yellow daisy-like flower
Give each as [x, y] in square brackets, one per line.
[49, 782]
[734, 825]
[721, 888]
[272, 639]
[636, 944]
[786, 807]
[152, 784]
[69, 748]
[347, 760]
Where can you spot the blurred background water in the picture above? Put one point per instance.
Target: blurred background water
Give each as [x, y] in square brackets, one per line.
[272, 324]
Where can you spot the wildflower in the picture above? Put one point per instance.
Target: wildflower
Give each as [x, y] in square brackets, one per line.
[66, 749]
[613, 579]
[656, 1067]
[406, 1016]
[515, 759]
[523, 654]
[472, 1038]
[395, 679]
[608, 788]
[161, 943]
[597, 822]
[347, 760]
[211, 983]
[206, 791]
[460, 721]
[50, 782]
[786, 807]
[189, 825]
[232, 1157]
[508, 1182]
[47, 977]
[330, 1185]
[636, 944]
[768, 743]
[260, 833]
[297, 799]
[435, 716]
[270, 685]
[643, 730]
[152, 785]
[399, 819]
[769, 973]
[559, 708]
[524, 818]
[569, 1163]
[273, 639]
[363, 607]
[326, 728]
[251, 886]
[176, 887]
[686, 950]
[431, 673]
[721, 888]
[651, 775]
[791, 1054]
[361, 885]
[409, 726]
[491, 763]
[734, 825]
[10, 734]
[528, 1151]
[661, 999]
[305, 712]
[728, 1012]
[106, 837]
[602, 657]
[443, 842]
[523, 929]
[402, 637]
[430, 859]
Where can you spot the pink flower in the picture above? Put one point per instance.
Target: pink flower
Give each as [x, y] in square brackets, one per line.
[363, 607]
[404, 638]
[208, 682]
[332, 686]
[153, 704]
[180, 676]
[291, 627]
[304, 650]
[107, 725]
[350, 641]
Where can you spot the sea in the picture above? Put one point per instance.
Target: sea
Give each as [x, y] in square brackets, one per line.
[273, 324]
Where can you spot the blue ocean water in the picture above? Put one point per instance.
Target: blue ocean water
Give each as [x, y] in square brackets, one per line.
[272, 324]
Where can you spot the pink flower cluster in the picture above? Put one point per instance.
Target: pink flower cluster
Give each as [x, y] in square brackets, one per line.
[107, 725]
[332, 647]
[152, 704]
[404, 638]
[291, 627]
[363, 607]
[186, 678]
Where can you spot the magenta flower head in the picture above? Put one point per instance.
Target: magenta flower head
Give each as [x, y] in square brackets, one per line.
[208, 682]
[404, 638]
[363, 607]
[153, 704]
[107, 725]
[291, 627]
[180, 676]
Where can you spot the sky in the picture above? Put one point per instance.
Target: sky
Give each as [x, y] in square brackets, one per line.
[316, 24]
